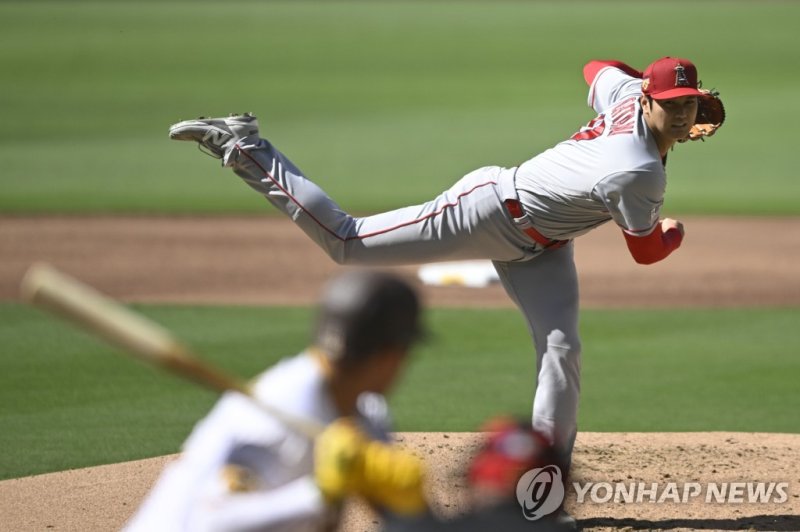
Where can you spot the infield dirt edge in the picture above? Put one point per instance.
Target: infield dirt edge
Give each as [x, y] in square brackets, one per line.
[103, 497]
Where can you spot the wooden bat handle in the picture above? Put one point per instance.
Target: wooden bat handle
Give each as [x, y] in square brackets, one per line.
[183, 363]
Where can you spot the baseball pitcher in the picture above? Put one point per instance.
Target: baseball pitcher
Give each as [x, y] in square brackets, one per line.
[524, 218]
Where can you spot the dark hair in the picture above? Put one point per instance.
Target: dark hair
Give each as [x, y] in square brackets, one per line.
[363, 313]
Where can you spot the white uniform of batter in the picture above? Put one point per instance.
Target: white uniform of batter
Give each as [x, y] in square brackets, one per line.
[611, 169]
[193, 493]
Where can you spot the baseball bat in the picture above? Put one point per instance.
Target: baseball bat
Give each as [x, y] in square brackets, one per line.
[45, 287]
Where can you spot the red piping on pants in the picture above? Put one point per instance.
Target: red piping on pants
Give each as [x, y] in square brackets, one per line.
[374, 233]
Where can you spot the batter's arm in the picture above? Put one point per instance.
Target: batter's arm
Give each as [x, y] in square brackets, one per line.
[665, 238]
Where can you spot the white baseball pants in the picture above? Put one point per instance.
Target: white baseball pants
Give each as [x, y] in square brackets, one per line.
[467, 221]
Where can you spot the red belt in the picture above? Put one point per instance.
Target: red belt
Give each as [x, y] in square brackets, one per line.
[514, 208]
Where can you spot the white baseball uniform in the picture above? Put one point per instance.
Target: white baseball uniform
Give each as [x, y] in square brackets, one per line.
[522, 218]
[238, 443]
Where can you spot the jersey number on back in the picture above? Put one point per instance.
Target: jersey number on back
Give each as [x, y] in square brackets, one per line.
[623, 121]
[592, 130]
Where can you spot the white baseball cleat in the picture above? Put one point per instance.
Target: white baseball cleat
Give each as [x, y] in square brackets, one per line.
[217, 135]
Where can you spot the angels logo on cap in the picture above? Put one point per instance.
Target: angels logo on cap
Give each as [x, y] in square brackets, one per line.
[680, 77]
[670, 77]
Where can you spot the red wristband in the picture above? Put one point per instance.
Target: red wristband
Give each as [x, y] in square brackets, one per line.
[654, 247]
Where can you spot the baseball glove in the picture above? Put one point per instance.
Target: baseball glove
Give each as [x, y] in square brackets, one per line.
[710, 116]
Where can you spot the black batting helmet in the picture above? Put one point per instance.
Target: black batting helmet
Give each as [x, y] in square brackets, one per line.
[364, 312]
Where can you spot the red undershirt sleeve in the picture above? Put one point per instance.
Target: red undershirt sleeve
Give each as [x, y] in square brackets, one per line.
[654, 247]
[593, 67]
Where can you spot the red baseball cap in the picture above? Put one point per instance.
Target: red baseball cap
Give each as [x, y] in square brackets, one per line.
[670, 77]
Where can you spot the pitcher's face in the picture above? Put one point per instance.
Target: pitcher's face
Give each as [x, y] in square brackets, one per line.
[670, 120]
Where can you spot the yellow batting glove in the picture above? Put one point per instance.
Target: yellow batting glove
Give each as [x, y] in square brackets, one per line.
[393, 479]
[338, 456]
[347, 463]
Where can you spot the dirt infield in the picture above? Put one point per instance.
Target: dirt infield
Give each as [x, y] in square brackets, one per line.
[265, 260]
[102, 498]
[259, 260]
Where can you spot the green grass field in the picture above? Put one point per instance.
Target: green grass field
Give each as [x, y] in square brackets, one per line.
[383, 103]
[68, 401]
